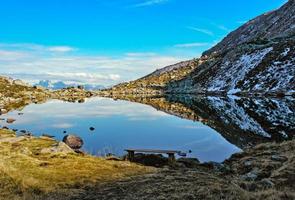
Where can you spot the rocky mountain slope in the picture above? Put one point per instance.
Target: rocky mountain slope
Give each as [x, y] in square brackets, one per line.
[259, 57]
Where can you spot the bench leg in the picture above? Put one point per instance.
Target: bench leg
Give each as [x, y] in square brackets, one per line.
[130, 156]
[171, 158]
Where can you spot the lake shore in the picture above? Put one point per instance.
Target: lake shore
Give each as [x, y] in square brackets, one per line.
[43, 168]
[30, 170]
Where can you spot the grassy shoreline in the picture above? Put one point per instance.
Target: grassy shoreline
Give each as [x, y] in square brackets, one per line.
[25, 170]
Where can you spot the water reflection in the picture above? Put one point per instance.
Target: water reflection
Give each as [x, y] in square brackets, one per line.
[242, 121]
[212, 127]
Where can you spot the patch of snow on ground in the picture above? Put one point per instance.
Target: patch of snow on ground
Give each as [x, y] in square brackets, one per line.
[285, 52]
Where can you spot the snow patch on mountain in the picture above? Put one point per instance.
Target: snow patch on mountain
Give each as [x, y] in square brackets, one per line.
[233, 72]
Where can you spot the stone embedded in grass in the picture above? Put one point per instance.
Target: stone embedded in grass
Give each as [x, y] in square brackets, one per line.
[73, 141]
[58, 148]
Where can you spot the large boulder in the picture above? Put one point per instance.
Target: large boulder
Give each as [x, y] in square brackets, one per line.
[73, 141]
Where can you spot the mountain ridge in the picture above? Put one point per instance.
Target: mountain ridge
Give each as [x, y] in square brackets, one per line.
[257, 58]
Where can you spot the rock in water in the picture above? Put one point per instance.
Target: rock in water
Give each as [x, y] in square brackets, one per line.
[10, 120]
[73, 141]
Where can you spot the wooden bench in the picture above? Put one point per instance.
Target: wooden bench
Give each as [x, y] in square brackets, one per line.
[170, 153]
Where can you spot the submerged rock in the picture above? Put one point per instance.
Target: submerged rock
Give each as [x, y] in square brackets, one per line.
[73, 141]
[10, 120]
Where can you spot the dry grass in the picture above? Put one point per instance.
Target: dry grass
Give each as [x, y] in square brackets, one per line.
[24, 170]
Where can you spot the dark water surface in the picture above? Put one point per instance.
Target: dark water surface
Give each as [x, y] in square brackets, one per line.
[213, 128]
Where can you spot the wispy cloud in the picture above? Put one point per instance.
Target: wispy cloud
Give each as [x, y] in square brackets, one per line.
[149, 3]
[61, 49]
[190, 45]
[140, 54]
[200, 30]
[36, 62]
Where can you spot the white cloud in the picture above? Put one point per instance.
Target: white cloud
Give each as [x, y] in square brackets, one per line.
[35, 62]
[149, 3]
[10, 55]
[140, 54]
[190, 45]
[204, 31]
[61, 49]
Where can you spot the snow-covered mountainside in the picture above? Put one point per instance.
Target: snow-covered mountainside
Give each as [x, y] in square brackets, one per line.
[258, 57]
[249, 68]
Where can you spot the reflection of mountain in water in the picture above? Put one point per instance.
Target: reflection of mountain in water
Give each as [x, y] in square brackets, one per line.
[242, 121]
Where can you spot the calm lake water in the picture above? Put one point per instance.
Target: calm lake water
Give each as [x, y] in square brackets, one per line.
[122, 124]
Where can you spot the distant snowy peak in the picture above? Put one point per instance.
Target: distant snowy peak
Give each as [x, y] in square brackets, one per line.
[56, 85]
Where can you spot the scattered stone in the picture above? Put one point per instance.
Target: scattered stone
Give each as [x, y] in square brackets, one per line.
[248, 163]
[64, 131]
[10, 120]
[20, 113]
[251, 176]
[189, 162]
[61, 147]
[23, 131]
[267, 183]
[15, 130]
[92, 128]
[73, 141]
[279, 158]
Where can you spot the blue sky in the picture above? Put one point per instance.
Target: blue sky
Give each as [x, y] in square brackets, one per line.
[109, 41]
